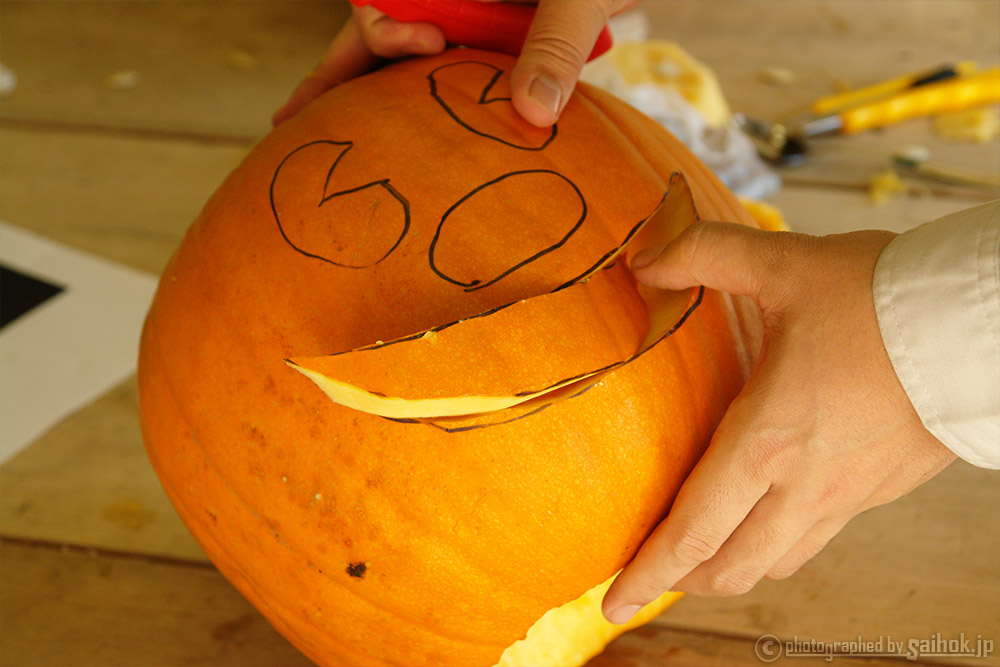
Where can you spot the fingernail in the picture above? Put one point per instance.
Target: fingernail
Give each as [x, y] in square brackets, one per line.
[646, 257]
[546, 92]
[623, 614]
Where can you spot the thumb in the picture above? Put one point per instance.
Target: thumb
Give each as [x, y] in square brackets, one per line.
[557, 46]
[720, 255]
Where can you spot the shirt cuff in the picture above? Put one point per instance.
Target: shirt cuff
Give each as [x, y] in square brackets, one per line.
[937, 298]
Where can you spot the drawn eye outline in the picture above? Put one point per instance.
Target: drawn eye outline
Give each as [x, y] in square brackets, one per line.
[483, 99]
[474, 285]
[325, 197]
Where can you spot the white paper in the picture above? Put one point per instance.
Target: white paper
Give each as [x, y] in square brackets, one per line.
[63, 354]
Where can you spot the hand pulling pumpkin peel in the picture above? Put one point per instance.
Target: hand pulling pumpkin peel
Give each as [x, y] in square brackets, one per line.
[418, 377]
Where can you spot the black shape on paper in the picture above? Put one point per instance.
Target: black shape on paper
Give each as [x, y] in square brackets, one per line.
[21, 293]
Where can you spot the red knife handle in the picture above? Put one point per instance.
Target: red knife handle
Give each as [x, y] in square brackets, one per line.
[494, 26]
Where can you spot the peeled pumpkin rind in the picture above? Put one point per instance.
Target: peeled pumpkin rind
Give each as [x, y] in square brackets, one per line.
[369, 542]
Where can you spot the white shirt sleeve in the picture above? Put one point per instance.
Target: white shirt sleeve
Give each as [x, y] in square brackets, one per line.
[937, 297]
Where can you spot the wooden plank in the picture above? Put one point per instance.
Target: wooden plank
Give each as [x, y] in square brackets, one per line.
[213, 68]
[88, 482]
[78, 609]
[656, 646]
[820, 210]
[125, 198]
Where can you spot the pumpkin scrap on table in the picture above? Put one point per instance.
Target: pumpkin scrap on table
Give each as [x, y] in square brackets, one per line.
[408, 236]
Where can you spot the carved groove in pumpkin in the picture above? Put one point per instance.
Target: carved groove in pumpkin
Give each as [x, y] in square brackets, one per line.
[355, 227]
[449, 87]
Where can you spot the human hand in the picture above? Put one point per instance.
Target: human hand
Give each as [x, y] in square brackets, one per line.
[822, 431]
[557, 46]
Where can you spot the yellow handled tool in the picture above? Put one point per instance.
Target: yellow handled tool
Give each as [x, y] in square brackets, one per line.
[916, 98]
[945, 97]
[853, 98]
[955, 94]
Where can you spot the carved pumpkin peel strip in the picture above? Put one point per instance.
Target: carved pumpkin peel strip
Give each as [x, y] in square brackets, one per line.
[463, 368]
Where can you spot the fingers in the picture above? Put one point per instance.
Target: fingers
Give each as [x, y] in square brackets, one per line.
[712, 503]
[356, 50]
[347, 57]
[559, 41]
[720, 255]
[389, 38]
[821, 431]
[811, 544]
[771, 530]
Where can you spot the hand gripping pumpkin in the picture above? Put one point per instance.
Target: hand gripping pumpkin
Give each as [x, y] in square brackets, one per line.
[401, 386]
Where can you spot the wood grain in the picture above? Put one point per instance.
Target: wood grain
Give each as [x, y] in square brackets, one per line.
[189, 79]
[74, 607]
[125, 198]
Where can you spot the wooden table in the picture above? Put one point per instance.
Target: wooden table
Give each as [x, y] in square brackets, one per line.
[96, 567]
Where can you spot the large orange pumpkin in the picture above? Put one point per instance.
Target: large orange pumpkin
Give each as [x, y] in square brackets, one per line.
[403, 200]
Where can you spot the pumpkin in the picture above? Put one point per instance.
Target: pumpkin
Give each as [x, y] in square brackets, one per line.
[408, 199]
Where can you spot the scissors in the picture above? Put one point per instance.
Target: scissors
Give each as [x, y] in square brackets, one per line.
[493, 26]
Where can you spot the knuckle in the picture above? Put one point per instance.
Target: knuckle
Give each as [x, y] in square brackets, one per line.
[794, 561]
[830, 494]
[693, 547]
[769, 454]
[788, 259]
[650, 586]
[694, 245]
[555, 50]
[783, 570]
[731, 581]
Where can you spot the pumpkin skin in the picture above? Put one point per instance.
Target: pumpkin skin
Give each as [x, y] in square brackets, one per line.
[367, 541]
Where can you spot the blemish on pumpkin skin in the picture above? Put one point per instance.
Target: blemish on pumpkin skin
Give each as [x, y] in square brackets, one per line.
[357, 570]
[254, 433]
